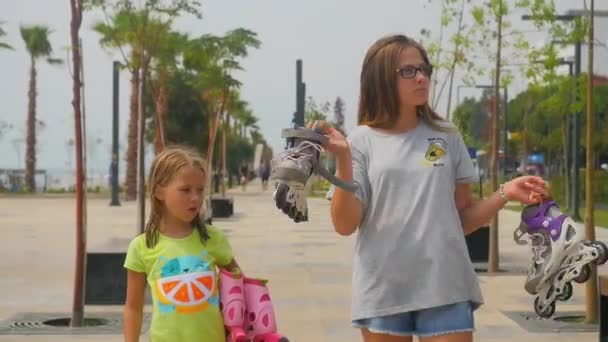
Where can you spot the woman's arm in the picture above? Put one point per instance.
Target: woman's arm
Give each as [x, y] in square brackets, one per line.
[527, 189]
[474, 215]
[134, 306]
[346, 210]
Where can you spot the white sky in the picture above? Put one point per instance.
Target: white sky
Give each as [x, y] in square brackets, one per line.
[331, 38]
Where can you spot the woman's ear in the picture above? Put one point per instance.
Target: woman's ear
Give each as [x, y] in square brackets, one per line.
[159, 193]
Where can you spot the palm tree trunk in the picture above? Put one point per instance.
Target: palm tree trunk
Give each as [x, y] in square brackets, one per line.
[214, 126]
[161, 105]
[131, 181]
[30, 152]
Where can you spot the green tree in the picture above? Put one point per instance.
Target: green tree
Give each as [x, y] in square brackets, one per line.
[448, 56]
[472, 119]
[139, 29]
[314, 111]
[339, 114]
[170, 48]
[212, 60]
[36, 39]
[4, 45]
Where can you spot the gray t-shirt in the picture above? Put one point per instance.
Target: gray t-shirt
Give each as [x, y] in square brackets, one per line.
[410, 251]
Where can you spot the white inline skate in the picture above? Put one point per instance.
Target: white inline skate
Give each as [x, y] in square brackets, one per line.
[292, 169]
[559, 254]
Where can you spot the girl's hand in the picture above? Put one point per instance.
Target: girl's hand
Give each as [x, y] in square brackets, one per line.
[526, 189]
[337, 142]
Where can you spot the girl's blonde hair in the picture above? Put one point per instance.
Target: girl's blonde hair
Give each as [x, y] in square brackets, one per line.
[164, 167]
[379, 98]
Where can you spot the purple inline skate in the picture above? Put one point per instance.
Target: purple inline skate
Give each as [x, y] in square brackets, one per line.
[559, 254]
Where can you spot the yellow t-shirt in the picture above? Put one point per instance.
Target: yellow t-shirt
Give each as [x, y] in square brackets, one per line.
[182, 276]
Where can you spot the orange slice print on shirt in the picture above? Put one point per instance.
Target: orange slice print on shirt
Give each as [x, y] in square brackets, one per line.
[188, 292]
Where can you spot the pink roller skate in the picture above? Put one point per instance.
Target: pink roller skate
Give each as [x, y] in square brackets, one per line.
[232, 305]
[261, 322]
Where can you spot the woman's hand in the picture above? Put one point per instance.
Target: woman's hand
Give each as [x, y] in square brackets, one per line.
[526, 189]
[337, 144]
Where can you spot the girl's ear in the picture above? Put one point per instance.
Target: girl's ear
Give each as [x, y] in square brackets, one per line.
[159, 193]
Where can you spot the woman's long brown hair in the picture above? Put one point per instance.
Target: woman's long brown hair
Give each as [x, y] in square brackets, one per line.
[379, 99]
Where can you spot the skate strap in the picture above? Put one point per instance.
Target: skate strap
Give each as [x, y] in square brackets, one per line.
[540, 220]
[304, 133]
[348, 186]
[518, 235]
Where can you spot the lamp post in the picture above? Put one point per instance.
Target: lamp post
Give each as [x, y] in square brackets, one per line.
[114, 167]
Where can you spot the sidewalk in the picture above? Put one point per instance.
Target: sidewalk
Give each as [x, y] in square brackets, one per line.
[308, 265]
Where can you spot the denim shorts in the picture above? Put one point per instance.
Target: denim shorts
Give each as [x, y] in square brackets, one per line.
[452, 318]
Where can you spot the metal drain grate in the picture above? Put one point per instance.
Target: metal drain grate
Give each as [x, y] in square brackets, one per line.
[564, 322]
[33, 323]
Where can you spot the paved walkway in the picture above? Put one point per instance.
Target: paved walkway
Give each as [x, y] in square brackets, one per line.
[309, 266]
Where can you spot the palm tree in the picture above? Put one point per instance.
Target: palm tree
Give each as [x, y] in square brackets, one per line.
[125, 30]
[170, 47]
[213, 58]
[37, 44]
[139, 28]
[4, 45]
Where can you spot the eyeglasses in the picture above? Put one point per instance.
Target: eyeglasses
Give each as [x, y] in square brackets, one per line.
[409, 71]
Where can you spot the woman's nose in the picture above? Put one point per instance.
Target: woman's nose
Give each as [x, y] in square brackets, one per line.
[420, 77]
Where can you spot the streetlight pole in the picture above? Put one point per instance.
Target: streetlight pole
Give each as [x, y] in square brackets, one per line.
[114, 167]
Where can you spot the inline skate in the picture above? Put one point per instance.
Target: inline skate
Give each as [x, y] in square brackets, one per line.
[293, 168]
[560, 254]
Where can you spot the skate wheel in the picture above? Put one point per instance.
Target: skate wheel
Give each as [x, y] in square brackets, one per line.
[584, 275]
[566, 293]
[547, 312]
[603, 250]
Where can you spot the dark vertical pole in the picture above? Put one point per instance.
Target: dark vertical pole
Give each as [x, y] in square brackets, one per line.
[303, 104]
[505, 133]
[569, 149]
[114, 168]
[576, 139]
[300, 95]
[141, 197]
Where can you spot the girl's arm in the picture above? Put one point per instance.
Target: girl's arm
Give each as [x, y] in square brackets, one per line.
[134, 306]
[231, 266]
[526, 189]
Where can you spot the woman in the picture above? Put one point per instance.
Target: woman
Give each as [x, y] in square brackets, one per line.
[413, 207]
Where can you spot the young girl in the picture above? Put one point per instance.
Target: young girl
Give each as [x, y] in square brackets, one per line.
[178, 258]
[413, 207]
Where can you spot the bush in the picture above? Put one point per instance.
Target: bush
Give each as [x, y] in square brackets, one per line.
[600, 187]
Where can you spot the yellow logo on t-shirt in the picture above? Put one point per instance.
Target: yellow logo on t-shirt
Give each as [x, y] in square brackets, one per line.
[434, 152]
[437, 149]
